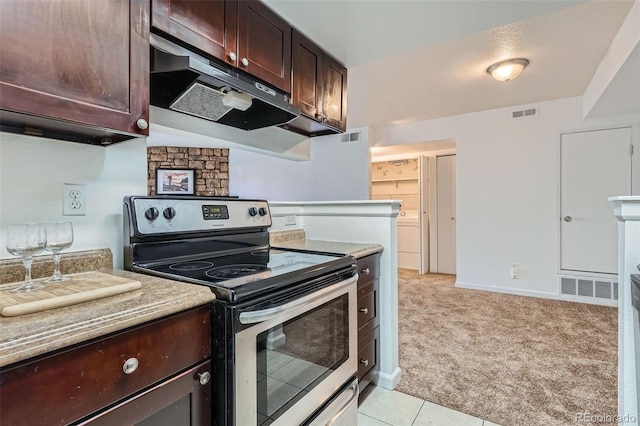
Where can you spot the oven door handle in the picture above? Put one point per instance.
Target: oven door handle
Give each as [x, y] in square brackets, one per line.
[255, 317]
[356, 391]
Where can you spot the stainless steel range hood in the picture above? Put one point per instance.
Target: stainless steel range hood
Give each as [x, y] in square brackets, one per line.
[184, 81]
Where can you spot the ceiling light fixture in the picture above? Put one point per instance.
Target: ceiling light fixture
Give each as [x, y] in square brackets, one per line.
[507, 70]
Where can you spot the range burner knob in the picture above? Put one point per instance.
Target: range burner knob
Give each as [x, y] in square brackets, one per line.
[262, 211]
[253, 211]
[152, 213]
[169, 213]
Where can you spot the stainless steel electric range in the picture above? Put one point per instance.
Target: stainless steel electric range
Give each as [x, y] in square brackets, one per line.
[284, 322]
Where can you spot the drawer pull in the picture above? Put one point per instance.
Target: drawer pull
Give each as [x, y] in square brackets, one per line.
[364, 310]
[204, 378]
[130, 365]
[365, 271]
[364, 362]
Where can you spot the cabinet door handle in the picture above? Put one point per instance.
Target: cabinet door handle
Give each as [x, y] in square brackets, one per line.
[130, 365]
[365, 271]
[245, 62]
[204, 378]
[364, 362]
[364, 310]
[232, 56]
[568, 218]
[142, 124]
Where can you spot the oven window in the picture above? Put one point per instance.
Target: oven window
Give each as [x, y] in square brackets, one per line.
[297, 355]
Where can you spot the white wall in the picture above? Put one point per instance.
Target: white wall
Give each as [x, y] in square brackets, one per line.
[336, 171]
[32, 171]
[507, 190]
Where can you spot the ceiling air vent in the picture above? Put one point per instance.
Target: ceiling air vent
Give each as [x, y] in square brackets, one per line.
[523, 113]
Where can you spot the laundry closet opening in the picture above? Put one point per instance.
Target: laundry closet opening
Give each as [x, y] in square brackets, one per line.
[423, 177]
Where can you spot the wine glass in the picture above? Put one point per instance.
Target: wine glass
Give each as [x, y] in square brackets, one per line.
[59, 237]
[25, 240]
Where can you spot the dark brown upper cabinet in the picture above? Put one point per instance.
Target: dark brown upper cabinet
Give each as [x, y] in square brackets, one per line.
[209, 25]
[319, 84]
[245, 34]
[76, 69]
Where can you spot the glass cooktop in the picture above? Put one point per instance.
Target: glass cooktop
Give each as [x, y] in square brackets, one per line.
[248, 272]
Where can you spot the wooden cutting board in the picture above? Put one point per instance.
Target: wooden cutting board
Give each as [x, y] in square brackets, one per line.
[83, 287]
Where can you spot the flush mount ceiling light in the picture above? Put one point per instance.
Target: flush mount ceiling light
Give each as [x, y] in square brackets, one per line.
[507, 70]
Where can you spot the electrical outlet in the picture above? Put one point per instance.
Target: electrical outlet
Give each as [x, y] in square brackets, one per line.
[515, 271]
[289, 220]
[74, 199]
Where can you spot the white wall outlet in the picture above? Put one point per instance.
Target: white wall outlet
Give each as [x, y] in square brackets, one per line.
[515, 271]
[290, 220]
[74, 199]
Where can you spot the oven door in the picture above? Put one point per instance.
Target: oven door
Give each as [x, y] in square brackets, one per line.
[296, 356]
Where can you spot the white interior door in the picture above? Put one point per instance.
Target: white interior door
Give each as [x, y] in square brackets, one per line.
[423, 214]
[446, 213]
[595, 165]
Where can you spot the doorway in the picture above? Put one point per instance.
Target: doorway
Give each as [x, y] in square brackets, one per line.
[416, 187]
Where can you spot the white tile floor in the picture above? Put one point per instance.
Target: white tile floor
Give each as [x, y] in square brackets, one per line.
[384, 407]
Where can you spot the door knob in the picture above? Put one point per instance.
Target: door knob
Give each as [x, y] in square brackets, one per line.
[245, 62]
[568, 218]
[232, 56]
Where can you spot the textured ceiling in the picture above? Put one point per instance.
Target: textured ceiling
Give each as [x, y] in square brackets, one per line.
[417, 60]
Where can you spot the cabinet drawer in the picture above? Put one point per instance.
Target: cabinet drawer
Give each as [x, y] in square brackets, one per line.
[367, 308]
[368, 268]
[71, 384]
[367, 354]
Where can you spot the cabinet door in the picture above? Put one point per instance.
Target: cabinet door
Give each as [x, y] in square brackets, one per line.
[264, 44]
[81, 61]
[181, 400]
[334, 108]
[208, 25]
[306, 74]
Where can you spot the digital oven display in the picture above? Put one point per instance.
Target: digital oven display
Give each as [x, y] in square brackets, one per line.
[215, 212]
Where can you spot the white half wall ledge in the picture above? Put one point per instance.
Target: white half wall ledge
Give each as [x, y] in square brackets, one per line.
[627, 211]
[360, 208]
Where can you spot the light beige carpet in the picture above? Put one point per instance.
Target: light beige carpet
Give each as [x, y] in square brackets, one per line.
[513, 360]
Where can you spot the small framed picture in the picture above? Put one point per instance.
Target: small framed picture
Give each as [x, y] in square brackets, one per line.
[174, 181]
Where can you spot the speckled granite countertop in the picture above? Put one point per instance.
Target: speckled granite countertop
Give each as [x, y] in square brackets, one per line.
[25, 336]
[296, 239]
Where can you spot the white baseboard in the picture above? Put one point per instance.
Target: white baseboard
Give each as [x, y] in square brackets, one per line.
[389, 381]
[541, 294]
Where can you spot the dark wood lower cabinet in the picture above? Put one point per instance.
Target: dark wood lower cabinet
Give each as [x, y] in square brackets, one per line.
[368, 321]
[180, 401]
[131, 375]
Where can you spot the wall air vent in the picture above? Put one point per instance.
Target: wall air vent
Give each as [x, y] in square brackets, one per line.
[350, 137]
[591, 288]
[524, 113]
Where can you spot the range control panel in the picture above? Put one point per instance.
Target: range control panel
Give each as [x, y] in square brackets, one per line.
[159, 215]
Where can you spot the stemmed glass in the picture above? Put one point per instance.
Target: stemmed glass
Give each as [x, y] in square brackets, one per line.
[59, 237]
[25, 240]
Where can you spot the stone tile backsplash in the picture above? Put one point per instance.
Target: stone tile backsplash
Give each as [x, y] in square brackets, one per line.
[211, 167]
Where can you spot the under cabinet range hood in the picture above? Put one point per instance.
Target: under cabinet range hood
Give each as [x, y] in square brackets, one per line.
[186, 82]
